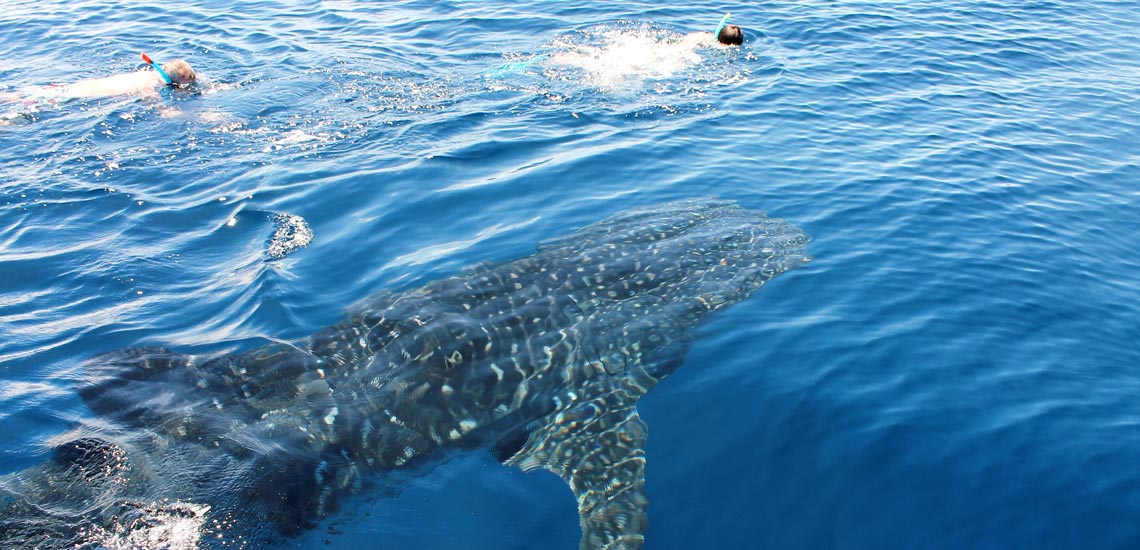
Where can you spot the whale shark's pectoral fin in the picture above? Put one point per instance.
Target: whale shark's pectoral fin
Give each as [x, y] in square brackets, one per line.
[599, 449]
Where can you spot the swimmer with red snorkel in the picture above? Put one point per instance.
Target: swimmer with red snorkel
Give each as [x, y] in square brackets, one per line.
[176, 73]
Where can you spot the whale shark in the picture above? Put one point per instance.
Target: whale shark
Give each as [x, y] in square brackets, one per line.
[541, 360]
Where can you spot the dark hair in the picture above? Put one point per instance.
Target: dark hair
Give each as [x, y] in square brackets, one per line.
[730, 35]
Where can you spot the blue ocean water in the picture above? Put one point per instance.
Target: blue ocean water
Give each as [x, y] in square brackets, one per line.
[958, 366]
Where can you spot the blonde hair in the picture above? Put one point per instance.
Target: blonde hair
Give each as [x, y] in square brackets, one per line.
[179, 72]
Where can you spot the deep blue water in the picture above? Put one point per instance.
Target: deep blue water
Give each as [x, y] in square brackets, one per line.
[959, 366]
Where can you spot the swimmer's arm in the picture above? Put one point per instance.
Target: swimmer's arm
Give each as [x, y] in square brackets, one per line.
[120, 84]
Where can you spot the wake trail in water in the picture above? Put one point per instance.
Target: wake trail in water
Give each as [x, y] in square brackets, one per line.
[616, 56]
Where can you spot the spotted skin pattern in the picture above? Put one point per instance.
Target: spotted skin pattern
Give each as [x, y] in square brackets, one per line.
[542, 359]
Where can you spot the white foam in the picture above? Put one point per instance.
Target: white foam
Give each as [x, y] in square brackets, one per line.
[291, 233]
[176, 526]
[613, 56]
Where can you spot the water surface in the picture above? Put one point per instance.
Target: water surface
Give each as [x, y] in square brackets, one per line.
[957, 366]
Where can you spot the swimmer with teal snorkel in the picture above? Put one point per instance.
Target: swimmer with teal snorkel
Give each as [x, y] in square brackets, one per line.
[176, 73]
[729, 35]
[725, 35]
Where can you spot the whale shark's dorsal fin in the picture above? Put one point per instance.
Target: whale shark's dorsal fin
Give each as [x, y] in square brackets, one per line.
[598, 448]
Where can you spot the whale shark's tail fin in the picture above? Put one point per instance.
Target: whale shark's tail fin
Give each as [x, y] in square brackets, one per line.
[598, 448]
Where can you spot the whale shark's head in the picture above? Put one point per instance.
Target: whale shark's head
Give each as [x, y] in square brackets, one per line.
[646, 277]
[701, 253]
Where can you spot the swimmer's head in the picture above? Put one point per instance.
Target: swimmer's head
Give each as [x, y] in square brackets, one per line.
[179, 72]
[730, 35]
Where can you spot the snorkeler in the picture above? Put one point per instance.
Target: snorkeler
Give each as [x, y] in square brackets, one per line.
[176, 73]
[730, 35]
[724, 35]
[631, 53]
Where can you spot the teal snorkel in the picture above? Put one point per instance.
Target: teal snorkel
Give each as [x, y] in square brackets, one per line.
[720, 27]
[161, 72]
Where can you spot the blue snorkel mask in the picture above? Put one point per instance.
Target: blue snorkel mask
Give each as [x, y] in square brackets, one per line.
[162, 73]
